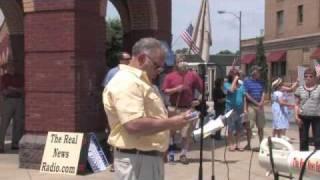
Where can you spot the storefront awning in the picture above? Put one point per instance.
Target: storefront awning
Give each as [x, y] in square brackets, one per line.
[248, 58]
[277, 56]
[315, 54]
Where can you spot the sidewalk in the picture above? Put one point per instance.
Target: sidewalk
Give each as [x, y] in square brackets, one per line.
[238, 164]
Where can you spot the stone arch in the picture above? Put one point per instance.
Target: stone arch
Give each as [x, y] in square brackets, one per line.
[13, 14]
[144, 18]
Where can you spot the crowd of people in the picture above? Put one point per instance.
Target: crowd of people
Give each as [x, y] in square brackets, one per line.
[145, 118]
[141, 135]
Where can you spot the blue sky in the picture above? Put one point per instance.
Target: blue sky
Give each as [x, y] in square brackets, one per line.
[225, 27]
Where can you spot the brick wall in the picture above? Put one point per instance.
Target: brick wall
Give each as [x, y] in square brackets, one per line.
[311, 18]
[64, 65]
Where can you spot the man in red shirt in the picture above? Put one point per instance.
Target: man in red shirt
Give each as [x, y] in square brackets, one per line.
[12, 107]
[180, 85]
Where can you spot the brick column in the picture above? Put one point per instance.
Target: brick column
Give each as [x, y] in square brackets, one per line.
[17, 46]
[64, 66]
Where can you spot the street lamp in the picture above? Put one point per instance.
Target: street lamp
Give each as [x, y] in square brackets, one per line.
[239, 18]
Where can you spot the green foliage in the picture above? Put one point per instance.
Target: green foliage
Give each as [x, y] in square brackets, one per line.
[114, 43]
[225, 52]
[182, 51]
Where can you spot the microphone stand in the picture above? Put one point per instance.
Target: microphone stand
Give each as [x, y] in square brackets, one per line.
[202, 70]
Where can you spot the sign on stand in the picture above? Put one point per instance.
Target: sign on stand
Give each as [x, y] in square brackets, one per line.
[96, 157]
[61, 153]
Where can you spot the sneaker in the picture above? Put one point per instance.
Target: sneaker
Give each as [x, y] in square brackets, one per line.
[171, 157]
[184, 159]
[111, 168]
[174, 147]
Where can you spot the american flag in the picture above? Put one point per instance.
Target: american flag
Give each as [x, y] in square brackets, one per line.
[187, 37]
[317, 67]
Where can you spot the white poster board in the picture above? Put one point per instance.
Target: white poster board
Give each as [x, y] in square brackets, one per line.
[61, 153]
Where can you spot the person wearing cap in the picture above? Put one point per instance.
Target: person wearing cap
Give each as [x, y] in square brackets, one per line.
[280, 107]
[255, 104]
[307, 109]
[12, 106]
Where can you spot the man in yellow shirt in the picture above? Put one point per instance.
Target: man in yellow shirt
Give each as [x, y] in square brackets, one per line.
[137, 115]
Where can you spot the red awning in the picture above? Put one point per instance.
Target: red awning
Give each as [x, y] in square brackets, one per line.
[248, 58]
[316, 54]
[277, 56]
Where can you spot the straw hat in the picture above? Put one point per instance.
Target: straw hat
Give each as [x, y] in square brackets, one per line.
[275, 84]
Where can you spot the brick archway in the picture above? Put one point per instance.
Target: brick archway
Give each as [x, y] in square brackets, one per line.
[13, 27]
[144, 18]
[64, 63]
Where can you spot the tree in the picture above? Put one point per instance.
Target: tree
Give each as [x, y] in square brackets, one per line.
[262, 62]
[227, 52]
[182, 51]
[114, 41]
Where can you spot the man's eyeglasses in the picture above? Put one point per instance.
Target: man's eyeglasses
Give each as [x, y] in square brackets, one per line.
[154, 64]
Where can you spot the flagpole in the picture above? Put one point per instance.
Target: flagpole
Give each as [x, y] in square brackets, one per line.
[200, 43]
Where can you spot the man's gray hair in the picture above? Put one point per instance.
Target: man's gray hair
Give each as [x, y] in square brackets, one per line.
[147, 45]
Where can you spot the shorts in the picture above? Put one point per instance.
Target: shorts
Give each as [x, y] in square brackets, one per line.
[187, 129]
[256, 117]
[235, 123]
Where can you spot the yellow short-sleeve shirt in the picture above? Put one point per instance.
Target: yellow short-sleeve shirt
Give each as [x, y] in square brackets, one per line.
[130, 95]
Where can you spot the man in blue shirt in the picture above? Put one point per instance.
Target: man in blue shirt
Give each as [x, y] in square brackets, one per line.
[123, 59]
[255, 103]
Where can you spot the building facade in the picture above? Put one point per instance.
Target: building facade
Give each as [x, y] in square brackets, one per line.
[291, 38]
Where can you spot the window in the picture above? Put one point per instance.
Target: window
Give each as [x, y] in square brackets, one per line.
[280, 21]
[278, 69]
[300, 14]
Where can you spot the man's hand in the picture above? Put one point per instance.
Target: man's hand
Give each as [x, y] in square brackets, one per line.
[180, 120]
[179, 88]
[261, 105]
[195, 103]
[299, 121]
[236, 78]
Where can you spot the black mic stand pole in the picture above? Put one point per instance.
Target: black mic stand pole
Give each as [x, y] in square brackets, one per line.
[202, 70]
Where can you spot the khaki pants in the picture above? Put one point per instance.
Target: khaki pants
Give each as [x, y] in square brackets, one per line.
[12, 108]
[256, 117]
[138, 167]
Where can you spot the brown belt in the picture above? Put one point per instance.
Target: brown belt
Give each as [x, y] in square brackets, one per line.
[135, 151]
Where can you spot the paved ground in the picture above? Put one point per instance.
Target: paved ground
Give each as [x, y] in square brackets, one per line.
[238, 163]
